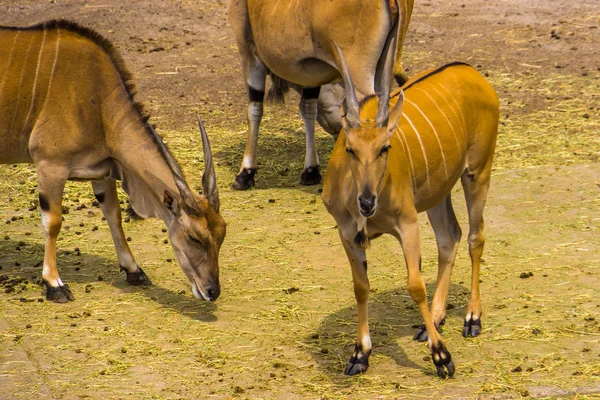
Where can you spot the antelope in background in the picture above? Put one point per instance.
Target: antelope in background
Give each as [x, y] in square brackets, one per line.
[66, 105]
[293, 40]
[387, 166]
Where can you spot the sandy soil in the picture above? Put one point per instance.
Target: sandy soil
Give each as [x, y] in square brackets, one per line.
[265, 339]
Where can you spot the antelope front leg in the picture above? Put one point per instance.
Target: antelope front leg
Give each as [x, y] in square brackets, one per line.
[106, 194]
[409, 238]
[308, 111]
[51, 184]
[359, 362]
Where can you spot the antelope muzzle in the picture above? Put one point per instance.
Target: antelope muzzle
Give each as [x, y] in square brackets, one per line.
[367, 204]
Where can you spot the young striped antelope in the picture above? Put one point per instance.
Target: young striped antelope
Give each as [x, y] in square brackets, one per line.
[66, 105]
[387, 166]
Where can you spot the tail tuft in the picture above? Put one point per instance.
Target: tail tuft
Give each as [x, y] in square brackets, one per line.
[279, 87]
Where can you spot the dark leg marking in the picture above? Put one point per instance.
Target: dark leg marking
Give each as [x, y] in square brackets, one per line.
[99, 197]
[365, 265]
[245, 179]
[310, 93]
[311, 176]
[471, 177]
[442, 360]
[359, 362]
[137, 278]
[60, 294]
[44, 205]
[256, 95]
[361, 239]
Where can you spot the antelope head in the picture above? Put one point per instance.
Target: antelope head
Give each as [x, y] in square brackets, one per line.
[197, 229]
[368, 138]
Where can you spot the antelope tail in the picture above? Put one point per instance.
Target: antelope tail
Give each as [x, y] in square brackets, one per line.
[279, 87]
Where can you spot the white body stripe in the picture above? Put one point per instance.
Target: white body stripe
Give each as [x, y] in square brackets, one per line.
[407, 151]
[35, 81]
[445, 117]
[20, 86]
[462, 115]
[53, 67]
[464, 132]
[12, 50]
[435, 133]
[422, 148]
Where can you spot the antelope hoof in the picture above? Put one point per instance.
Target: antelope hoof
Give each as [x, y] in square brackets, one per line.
[244, 180]
[311, 176]
[472, 327]
[421, 335]
[359, 362]
[137, 278]
[442, 361]
[59, 294]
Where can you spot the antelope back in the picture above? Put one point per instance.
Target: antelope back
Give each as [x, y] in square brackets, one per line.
[449, 118]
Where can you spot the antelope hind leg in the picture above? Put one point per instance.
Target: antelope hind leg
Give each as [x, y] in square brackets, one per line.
[409, 239]
[447, 234]
[475, 187]
[308, 110]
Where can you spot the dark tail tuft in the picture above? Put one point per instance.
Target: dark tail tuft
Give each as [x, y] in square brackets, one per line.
[131, 213]
[279, 87]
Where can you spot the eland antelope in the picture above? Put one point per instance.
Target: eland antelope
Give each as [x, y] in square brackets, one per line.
[66, 105]
[387, 166]
[293, 41]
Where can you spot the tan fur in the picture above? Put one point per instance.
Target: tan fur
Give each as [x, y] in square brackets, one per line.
[66, 105]
[447, 130]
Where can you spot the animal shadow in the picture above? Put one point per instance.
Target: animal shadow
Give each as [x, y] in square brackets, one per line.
[393, 318]
[21, 276]
[280, 158]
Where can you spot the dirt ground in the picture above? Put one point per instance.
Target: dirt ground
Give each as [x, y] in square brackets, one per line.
[285, 323]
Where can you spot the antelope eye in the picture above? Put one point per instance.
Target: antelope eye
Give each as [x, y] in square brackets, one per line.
[384, 149]
[349, 150]
[193, 239]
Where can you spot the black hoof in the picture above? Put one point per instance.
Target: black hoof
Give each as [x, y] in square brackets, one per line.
[59, 294]
[137, 278]
[245, 179]
[359, 362]
[442, 360]
[472, 328]
[311, 176]
[421, 334]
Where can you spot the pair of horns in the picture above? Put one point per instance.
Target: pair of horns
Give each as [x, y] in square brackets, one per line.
[384, 72]
[209, 178]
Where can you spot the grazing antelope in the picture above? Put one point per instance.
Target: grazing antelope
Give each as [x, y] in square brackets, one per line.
[292, 40]
[388, 166]
[66, 105]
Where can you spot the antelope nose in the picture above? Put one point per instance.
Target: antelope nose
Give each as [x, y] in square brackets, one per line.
[213, 292]
[367, 205]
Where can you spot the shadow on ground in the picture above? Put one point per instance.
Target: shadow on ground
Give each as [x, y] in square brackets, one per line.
[20, 259]
[280, 157]
[392, 316]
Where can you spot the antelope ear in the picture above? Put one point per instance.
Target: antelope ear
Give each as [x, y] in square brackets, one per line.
[170, 202]
[396, 114]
